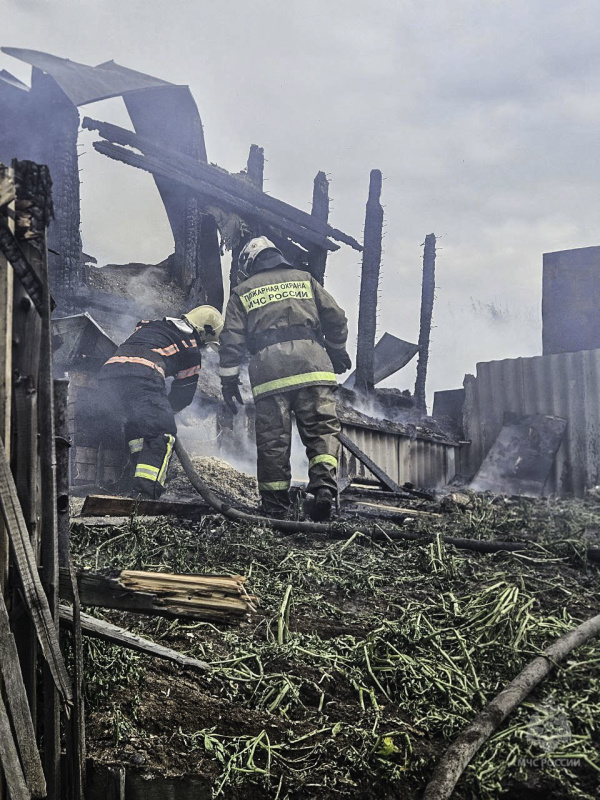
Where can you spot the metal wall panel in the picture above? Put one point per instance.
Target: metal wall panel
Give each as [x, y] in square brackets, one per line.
[565, 385]
[424, 462]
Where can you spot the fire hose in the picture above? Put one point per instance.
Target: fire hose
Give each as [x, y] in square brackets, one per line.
[339, 530]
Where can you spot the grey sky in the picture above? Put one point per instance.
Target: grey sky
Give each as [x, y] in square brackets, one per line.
[482, 116]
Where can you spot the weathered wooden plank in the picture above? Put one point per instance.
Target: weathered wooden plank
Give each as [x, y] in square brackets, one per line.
[77, 721]
[37, 255]
[369, 464]
[33, 593]
[16, 695]
[205, 597]
[6, 342]
[99, 505]
[63, 445]
[107, 632]
[22, 269]
[9, 758]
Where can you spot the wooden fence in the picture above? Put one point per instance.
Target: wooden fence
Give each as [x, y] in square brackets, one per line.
[34, 502]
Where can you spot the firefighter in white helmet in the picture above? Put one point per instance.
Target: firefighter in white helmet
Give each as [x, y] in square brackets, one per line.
[296, 334]
[135, 379]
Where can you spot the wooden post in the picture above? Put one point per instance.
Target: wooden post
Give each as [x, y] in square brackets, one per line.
[6, 327]
[34, 199]
[255, 169]
[317, 256]
[427, 298]
[369, 284]
[63, 444]
[255, 166]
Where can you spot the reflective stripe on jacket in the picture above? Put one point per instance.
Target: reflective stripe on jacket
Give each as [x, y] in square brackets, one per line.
[160, 348]
[280, 298]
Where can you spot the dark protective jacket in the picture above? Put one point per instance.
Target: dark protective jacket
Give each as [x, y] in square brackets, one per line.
[159, 349]
[285, 318]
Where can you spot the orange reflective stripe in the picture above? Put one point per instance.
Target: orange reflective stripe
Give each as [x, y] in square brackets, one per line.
[166, 351]
[186, 373]
[136, 360]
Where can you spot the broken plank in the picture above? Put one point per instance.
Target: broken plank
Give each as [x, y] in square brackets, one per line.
[211, 598]
[34, 597]
[107, 632]
[99, 505]
[398, 509]
[369, 464]
[16, 696]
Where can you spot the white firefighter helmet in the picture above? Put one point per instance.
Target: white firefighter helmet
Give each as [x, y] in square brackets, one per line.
[207, 322]
[251, 251]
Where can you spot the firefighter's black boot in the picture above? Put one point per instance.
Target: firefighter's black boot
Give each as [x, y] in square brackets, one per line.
[323, 505]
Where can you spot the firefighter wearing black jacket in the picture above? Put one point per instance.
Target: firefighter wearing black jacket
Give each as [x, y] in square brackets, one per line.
[135, 376]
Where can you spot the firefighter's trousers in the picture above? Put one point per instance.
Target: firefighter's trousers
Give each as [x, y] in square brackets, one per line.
[150, 430]
[316, 419]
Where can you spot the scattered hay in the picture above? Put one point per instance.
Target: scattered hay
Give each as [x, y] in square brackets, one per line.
[367, 658]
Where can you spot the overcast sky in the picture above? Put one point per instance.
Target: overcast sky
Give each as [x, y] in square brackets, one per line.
[483, 117]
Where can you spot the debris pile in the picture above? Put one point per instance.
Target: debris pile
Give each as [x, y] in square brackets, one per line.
[223, 479]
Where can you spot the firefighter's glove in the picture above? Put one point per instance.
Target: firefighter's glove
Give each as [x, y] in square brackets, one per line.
[340, 359]
[230, 389]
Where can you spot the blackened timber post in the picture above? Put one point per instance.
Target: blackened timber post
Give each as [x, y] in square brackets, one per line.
[427, 298]
[63, 444]
[255, 166]
[369, 285]
[255, 170]
[317, 256]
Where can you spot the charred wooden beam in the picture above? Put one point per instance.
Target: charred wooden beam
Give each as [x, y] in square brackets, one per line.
[369, 285]
[211, 193]
[211, 598]
[427, 298]
[107, 632]
[369, 464]
[220, 178]
[98, 505]
[255, 167]
[317, 259]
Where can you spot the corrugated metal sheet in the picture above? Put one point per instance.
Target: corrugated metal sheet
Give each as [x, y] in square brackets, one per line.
[425, 462]
[565, 385]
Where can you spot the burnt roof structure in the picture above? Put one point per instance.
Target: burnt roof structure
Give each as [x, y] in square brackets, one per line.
[209, 209]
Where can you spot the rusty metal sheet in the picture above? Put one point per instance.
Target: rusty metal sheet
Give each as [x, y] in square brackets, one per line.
[84, 84]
